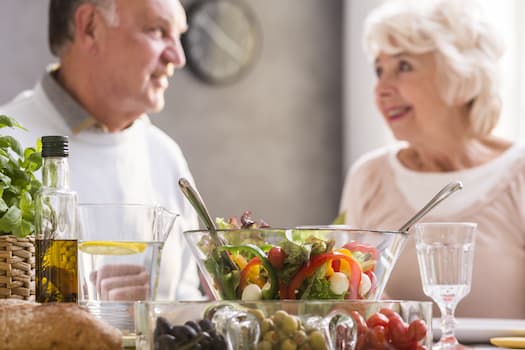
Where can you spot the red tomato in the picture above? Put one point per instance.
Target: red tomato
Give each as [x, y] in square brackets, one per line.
[377, 319]
[398, 332]
[362, 340]
[276, 257]
[378, 339]
[417, 330]
[388, 312]
[360, 322]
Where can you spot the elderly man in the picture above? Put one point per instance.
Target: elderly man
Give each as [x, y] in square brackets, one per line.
[115, 58]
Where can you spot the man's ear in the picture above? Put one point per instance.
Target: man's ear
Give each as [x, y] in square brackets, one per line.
[87, 24]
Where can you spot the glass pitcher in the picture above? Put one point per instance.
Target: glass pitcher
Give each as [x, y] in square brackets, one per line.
[119, 253]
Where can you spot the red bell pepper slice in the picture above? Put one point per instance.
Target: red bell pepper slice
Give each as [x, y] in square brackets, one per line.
[354, 246]
[246, 270]
[283, 290]
[316, 262]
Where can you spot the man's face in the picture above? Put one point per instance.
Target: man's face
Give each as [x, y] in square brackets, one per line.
[139, 53]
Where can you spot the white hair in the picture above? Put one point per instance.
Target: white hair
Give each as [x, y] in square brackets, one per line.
[465, 46]
[109, 11]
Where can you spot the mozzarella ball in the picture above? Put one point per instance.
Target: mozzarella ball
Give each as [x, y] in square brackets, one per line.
[339, 283]
[251, 292]
[365, 286]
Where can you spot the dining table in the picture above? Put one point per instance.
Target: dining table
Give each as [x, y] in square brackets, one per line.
[476, 333]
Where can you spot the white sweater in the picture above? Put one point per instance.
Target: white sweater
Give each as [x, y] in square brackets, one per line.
[138, 165]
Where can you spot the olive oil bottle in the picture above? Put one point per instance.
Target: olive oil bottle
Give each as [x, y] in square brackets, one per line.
[55, 226]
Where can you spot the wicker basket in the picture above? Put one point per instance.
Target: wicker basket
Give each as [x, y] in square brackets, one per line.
[17, 267]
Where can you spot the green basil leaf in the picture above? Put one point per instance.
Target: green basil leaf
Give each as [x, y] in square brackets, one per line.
[6, 121]
[11, 142]
[3, 205]
[11, 220]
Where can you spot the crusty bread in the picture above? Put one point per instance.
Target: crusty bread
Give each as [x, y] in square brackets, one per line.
[26, 325]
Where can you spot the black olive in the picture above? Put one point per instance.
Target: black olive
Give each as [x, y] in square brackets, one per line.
[183, 333]
[194, 325]
[165, 342]
[162, 327]
[206, 325]
[205, 340]
[219, 343]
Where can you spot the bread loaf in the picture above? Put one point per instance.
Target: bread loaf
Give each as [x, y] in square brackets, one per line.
[26, 325]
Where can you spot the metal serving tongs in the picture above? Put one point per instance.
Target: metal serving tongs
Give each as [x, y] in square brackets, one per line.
[438, 198]
[198, 204]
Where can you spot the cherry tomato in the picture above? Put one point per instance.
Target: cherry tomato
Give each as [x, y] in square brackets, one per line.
[360, 322]
[417, 330]
[377, 319]
[378, 338]
[388, 312]
[362, 340]
[398, 332]
[276, 257]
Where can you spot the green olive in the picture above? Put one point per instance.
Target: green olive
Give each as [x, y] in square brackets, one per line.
[279, 316]
[289, 324]
[264, 345]
[259, 314]
[288, 344]
[300, 337]
[316, 341]
[267, 325]
[272, 337]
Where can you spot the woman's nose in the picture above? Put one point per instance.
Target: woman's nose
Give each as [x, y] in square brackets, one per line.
[385, 87]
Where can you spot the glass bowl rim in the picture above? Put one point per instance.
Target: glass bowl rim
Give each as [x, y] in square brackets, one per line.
[326, 228]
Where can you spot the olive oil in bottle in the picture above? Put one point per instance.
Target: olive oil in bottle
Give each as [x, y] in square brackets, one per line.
[55, 226]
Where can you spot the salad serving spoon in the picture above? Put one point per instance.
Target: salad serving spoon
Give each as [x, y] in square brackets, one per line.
[197, 203]
[443, 194]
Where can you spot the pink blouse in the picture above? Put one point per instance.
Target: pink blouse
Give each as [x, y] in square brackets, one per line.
[372, 199]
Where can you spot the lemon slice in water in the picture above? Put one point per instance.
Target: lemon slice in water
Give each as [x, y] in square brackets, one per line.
[111, 247]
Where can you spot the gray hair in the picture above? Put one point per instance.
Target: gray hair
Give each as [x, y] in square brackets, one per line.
[466, 48]
[62, 20]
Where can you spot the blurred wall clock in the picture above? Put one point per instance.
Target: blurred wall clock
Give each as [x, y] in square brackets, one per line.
[223, 40]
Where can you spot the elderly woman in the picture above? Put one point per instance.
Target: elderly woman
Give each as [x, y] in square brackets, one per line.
[436, 67]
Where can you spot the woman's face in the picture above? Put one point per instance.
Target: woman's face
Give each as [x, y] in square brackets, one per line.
[408, 96]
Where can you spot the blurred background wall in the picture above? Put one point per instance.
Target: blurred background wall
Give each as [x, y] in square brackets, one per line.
[278, 141]
[270, 142]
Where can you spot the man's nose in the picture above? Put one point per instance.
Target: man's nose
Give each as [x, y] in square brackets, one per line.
[174, 54]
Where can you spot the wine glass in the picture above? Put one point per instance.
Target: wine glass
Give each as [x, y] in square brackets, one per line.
[445, 253]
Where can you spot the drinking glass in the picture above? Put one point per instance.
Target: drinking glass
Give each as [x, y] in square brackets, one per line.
[445, 253]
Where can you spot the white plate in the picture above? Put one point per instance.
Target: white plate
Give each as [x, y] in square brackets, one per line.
[480, 330]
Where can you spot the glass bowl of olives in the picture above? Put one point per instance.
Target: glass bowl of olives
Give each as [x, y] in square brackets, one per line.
[286, 324]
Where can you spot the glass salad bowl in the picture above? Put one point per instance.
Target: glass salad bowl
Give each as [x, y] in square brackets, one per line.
[311, 263]
[284, 324]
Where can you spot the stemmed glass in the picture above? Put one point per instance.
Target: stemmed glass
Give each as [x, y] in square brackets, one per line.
[445, 253]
